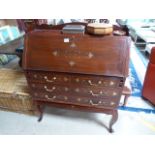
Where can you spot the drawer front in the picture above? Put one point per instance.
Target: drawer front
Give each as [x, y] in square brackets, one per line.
[73, 90]
[85, 90]
[74, 79]
[70, 99]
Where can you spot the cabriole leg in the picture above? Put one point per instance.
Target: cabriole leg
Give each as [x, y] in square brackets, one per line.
[113, 120]
[40, 108]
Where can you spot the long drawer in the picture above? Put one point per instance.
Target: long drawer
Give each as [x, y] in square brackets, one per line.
[74, 90]
[74, 79]
[76, 100]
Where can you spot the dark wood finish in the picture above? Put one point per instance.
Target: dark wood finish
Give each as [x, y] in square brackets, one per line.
[113, 120]
[76, 55]
[108, 111]
[76, 79]
[40, 109]
[75, 71]
[126, 92]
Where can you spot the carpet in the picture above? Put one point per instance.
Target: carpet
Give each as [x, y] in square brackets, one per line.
[134, 81]
[136, 103]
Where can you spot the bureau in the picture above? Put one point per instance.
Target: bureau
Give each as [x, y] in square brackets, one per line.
[76, 71]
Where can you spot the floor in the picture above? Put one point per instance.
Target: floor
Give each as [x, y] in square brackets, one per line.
[60, 121]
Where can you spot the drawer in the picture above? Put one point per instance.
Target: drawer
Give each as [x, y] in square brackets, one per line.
[70, 99]
[74, 79]
[64, 89]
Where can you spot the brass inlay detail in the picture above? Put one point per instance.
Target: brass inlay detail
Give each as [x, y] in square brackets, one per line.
[77, 90]
[77, 80]
[79, 99]
[71, 63]
[90, 55]
[66, 89]
[55, 53]
[111, 83]
[65, 97]
[65, 79]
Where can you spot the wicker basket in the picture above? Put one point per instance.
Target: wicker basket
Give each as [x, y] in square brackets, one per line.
[14, 95]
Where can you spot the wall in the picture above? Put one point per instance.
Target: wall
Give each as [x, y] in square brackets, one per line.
[11, 22]
[2, 22]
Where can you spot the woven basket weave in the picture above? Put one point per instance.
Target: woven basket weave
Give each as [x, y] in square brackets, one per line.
[14, 95]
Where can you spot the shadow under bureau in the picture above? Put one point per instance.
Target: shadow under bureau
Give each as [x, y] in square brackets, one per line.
[76, 71]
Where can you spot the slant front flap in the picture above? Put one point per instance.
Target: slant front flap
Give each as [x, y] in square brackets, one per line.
[73, 53]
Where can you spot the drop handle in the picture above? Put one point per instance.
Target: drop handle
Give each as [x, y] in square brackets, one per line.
[92, 103]
[92, 84]
[50, 98]
[49, 90]
[47, 80]
[93, 94]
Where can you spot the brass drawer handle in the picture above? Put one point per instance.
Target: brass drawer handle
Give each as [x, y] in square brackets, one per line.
[92, 103]
[89, 81]
[93, 94]
[50, 98]
[47, 80]
[101, 102]
[49, 90]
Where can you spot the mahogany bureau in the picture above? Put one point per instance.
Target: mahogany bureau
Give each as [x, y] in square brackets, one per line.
[76, 71]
